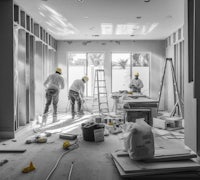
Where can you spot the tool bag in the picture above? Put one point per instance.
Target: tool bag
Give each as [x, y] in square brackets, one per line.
[139, 142]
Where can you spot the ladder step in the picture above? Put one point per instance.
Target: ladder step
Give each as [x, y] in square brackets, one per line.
[100, 87]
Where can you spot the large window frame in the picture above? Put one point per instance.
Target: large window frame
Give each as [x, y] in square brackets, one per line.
[90, 85]
[131, 53]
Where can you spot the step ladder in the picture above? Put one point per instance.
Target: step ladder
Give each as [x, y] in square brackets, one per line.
[178, 104]
[100, 97]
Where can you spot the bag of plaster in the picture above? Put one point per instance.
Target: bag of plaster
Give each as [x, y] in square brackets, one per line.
[139, 141]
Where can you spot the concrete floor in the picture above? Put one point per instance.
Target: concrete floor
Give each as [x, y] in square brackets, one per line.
[92, 161]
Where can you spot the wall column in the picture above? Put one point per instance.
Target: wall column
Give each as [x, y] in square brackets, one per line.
[6, 70]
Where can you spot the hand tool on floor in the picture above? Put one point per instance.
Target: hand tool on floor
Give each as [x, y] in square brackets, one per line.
[68, 136]
[2, 162]
[30, 168]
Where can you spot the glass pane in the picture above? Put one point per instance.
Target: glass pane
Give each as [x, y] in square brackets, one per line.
[95, 61]
[76, 66]
[120, 71]
[141, 64]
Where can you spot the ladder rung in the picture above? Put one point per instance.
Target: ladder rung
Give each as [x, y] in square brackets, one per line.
[100, 87]
[104, 111]
[104, 108]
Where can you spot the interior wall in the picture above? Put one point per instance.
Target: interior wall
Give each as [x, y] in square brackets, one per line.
[192, 104]
[21, 68]
[38, 72]
[6, 70]
[155, 47]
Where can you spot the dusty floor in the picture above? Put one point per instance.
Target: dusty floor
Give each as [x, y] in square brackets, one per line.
[92, 161]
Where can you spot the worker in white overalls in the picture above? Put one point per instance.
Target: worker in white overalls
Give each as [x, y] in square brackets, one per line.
[53, 84]
[76, 93]
[136, 84]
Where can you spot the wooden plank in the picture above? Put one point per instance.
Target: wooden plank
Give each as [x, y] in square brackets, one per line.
[165, 155]
[131, 166]
[157, 173]
[7, 150]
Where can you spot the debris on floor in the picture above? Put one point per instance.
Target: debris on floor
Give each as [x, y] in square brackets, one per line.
[67, 136]
[30, 168]
[10, 150]
[41, 138]
[2, 162]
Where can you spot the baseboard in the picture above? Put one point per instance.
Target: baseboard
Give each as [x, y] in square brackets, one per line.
[7, 134]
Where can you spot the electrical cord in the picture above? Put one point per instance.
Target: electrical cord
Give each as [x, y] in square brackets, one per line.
[72, 147]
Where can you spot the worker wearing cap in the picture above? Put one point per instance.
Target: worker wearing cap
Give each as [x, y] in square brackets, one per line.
[136, 84]
[76, 93]
[53, 84]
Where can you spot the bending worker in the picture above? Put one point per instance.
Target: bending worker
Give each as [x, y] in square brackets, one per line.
[76, 93]
[136, 84]
[53, 84]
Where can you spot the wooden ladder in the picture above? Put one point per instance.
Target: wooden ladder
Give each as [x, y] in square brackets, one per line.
[100, 97]
[178, 99]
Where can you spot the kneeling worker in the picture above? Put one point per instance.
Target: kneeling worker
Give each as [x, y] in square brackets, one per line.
[136, 84]
[53, 84]
[76, 93]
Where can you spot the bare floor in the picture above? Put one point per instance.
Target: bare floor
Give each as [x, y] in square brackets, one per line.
[92, 161]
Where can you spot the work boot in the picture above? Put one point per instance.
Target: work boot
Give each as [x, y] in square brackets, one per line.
[44, 119]
[54, 118]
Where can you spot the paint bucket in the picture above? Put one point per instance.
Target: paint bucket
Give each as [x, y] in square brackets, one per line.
[93, 131]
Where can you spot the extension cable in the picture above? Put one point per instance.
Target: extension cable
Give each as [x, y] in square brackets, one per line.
[74, 146]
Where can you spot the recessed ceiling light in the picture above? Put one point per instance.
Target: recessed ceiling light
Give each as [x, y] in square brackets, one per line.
[81, 1]
[95, 35]
[169, 16]
[85, 17]
[92, 28]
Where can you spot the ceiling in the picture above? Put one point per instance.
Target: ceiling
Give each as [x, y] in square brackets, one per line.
[107, 19]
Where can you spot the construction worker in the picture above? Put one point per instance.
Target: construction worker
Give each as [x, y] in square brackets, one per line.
[136, 84]
[76, 93]
[53, 84]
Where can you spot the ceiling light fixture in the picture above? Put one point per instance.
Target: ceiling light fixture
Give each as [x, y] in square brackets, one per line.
[106, 28]
[95, 35]
[138, 17]
[146, 1]
[81, 1]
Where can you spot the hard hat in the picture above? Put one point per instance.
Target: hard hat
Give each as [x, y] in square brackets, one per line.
[85, 78]
[59, 70]
[136, 74]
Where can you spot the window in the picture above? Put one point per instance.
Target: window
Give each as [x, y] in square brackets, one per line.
[141, 64]
[80, 64]
[124, 65]
[120, 71]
